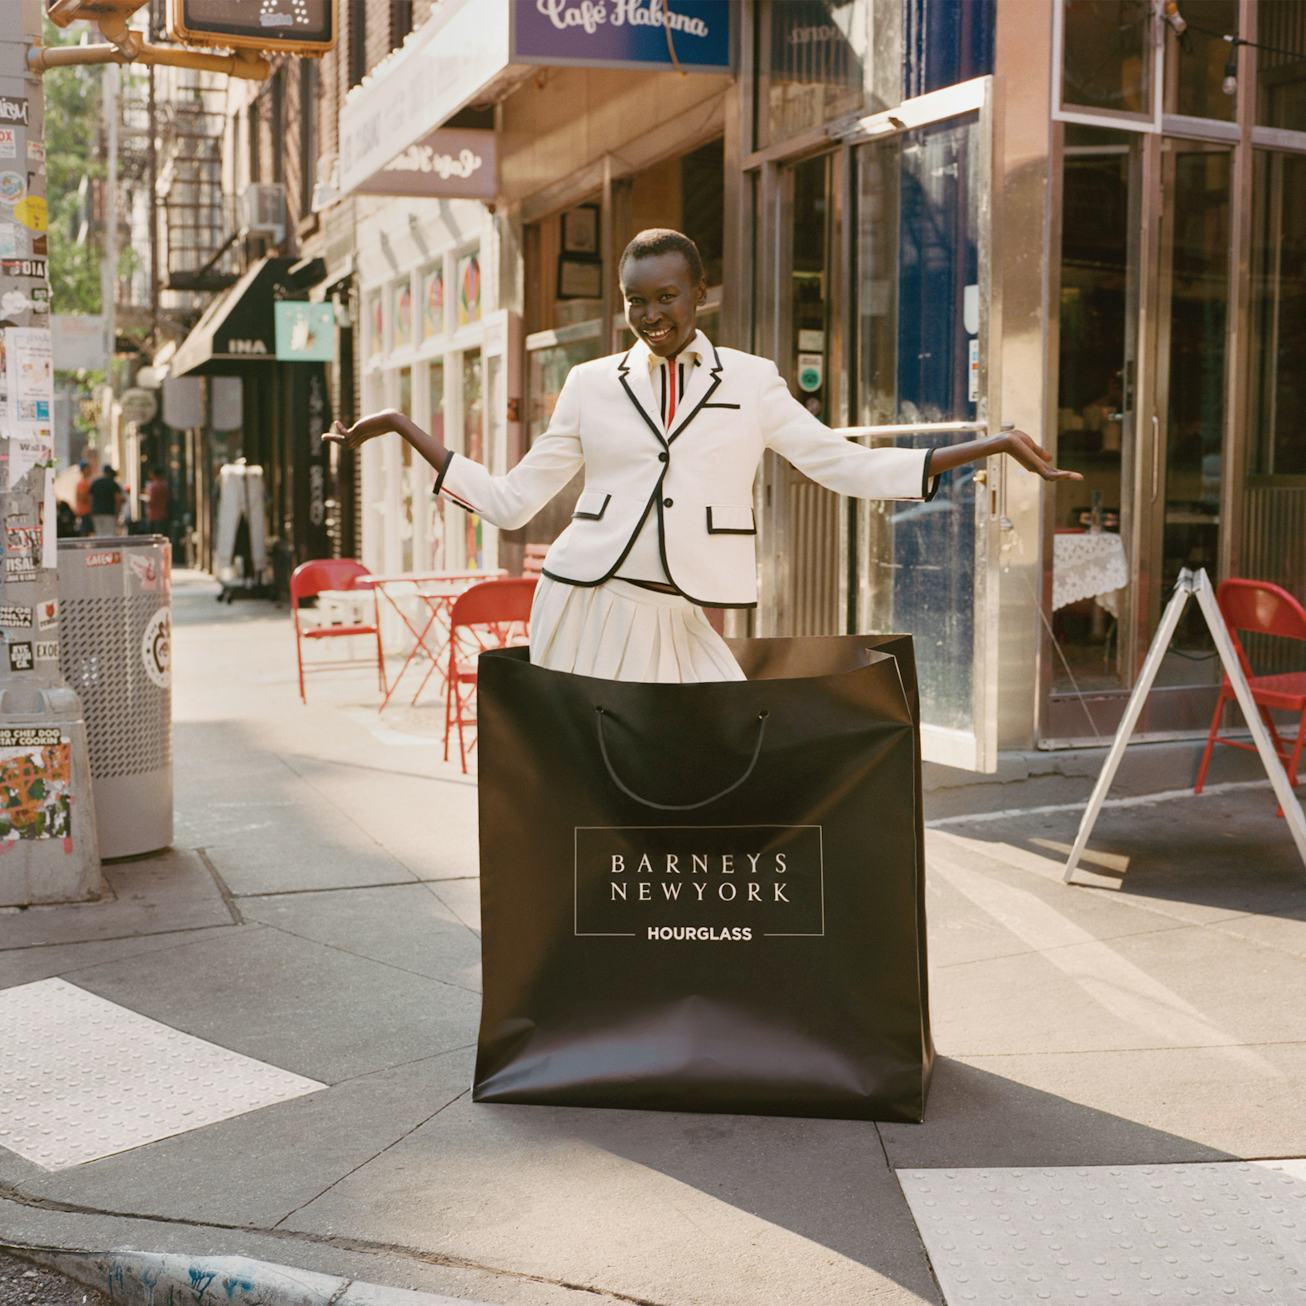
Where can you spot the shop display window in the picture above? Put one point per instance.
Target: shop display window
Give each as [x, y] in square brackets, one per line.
[1277, 392]
[375, 323]
[469, 289]
[1281, 74]
[401, 326]
[1107, 55]
[433, 302]
[810, 61]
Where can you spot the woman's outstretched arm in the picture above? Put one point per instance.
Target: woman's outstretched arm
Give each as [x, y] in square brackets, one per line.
[1017, 444]
[388, 420]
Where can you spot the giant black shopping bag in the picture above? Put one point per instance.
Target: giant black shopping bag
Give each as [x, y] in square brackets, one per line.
[706, 897]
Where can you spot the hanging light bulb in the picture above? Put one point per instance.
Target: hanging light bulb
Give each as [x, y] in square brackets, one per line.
[1174, 17]
[1230, 84]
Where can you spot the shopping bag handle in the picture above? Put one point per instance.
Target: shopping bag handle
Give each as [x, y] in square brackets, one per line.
[680, 807]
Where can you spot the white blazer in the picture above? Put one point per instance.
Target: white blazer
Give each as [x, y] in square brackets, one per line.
[697, 479]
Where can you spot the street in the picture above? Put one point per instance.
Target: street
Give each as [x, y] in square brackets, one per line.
[318, 916]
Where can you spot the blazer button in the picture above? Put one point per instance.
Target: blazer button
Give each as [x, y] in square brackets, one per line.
[667, 503]
[663, 456]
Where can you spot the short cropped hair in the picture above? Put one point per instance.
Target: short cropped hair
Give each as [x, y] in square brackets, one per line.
[663, 240]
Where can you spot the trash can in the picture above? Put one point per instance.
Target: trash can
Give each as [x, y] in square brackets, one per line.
[115, 630]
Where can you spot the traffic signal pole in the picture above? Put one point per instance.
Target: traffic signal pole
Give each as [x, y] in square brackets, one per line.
[48, 847]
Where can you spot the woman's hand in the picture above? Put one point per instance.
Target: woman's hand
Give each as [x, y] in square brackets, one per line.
[366, 428]
[1028, 453]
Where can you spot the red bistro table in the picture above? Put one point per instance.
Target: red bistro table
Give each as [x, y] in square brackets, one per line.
[437, 590]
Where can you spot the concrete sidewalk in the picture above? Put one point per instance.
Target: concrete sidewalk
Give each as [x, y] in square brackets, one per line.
[319, 914]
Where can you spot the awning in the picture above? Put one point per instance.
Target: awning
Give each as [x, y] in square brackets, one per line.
[474, 52]
[238, 328]
[459, 56]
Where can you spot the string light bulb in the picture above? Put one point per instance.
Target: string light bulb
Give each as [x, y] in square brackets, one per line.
[1174, 17]
[1230, 84]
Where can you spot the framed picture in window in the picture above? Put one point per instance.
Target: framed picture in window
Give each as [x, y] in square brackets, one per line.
[580, 230]
[579, 278]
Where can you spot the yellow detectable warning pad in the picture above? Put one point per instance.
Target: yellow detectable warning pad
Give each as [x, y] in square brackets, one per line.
[82, 1078]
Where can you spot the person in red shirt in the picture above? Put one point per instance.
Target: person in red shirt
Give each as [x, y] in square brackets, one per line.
[82, 500]
[158, 502]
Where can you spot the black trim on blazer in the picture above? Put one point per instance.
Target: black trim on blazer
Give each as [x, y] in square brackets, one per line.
[625, 553]
[622, 368]
[730, 530]
[711, 390]
[705, 405]
[593, 516]
[926, 492]
[444, 471]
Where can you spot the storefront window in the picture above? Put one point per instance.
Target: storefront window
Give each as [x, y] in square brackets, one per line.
[810, 65]
[1281, 73]
[375, 324]
[1107, 59]
[1196, 62]
[402, 325]
[474, 447]
[1095, 419]
[469, 290]
[1278, 389]
[433, 302]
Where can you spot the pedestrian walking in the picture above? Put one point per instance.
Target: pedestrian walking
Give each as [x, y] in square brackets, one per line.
[82, 500]
[158, 503]
[106, 502]
[670, 434]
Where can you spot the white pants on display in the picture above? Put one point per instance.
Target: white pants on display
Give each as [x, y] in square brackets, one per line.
[619, 631]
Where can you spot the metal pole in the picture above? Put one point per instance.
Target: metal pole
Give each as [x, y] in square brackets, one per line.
[110, 81]
[47, 827]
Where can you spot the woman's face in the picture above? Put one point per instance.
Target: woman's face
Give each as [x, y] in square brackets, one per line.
[662, 301]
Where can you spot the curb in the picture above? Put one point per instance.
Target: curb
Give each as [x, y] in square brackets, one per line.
[132, 1278]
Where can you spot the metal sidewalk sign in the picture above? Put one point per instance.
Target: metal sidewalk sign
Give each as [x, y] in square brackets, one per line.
[1192, 585]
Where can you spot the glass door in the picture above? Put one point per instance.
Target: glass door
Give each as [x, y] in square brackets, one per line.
[1141, 413]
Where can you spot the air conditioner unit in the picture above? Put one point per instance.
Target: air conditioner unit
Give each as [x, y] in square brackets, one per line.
[263, 211]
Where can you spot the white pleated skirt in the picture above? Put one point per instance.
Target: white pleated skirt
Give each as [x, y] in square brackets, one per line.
[619, 631]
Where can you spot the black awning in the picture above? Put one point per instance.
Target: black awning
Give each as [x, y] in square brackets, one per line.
[237, 328]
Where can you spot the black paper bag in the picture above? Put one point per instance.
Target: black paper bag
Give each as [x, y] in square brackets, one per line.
[706, 897]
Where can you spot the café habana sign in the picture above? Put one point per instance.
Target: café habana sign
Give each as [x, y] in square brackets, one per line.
[624, 33]
[449, 162]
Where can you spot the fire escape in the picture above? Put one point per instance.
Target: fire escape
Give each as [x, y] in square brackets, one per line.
[203, 254]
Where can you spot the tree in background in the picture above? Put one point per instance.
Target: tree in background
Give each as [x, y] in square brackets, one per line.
[72, 140]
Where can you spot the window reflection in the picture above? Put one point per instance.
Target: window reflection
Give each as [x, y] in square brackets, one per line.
[1107, 60]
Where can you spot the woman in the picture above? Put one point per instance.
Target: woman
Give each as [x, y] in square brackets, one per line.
[670, 434]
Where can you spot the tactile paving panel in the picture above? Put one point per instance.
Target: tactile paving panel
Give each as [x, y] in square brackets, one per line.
[82, 1078]
[1146, 1235]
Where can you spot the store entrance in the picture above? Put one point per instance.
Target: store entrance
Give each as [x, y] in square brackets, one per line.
[1141, 414]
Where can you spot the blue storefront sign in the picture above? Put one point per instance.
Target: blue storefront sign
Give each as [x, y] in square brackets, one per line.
[306, 332]
[661, 34]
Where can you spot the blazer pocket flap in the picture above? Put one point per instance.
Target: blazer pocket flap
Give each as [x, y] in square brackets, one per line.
[730, 519]
[591, 505]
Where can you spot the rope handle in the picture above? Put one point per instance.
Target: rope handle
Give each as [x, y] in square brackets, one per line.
[680, 807]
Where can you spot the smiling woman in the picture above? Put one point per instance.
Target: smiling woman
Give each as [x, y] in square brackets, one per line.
[669, 434]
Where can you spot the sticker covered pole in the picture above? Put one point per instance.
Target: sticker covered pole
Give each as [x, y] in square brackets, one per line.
[48, 846]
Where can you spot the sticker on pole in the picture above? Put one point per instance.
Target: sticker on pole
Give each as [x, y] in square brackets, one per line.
[156, 649]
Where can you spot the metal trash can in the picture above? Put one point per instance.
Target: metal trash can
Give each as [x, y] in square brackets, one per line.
[115, 630]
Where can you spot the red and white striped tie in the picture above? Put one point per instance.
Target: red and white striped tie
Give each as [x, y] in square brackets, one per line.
[673, 373]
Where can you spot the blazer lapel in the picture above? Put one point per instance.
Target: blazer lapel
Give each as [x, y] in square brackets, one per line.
[703, 384]
[639, 389]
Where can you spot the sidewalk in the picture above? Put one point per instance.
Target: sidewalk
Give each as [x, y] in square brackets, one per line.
[319, 915]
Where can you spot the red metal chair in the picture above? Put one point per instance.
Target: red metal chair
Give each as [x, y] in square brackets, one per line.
[483, 617]
[1263, 608]
[307, 581]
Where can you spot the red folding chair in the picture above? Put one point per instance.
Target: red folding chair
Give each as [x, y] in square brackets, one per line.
[483, 617]
[308, 580]
[1266, 609]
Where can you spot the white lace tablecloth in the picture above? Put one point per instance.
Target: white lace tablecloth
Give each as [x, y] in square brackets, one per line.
[1089, 566]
